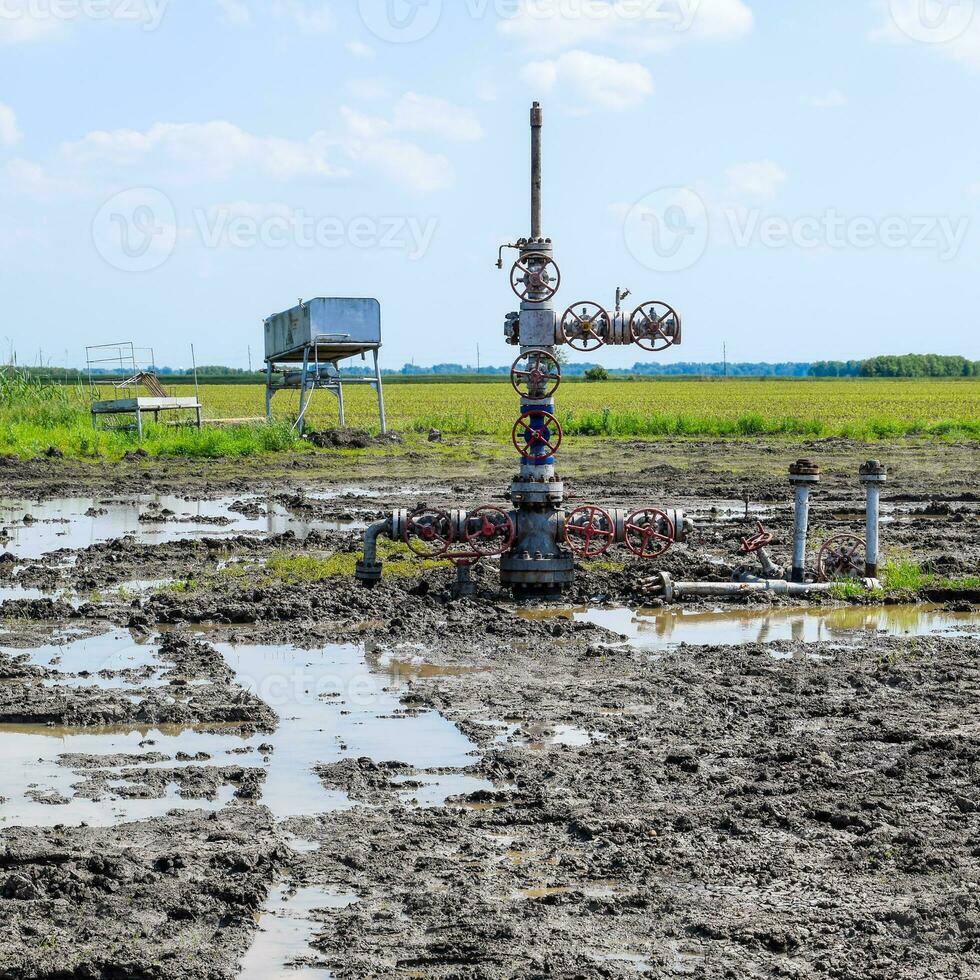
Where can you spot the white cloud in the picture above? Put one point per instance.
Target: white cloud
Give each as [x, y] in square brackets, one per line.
[593, 79]
[235, 11]
[200, 151]
[655, 25]
[310, 18]
[414, 113]
[24, 21]
[9, 131]
[834, 99]
[23, 178]
[761, 181]
[359, 49]
[404, 162]
[952, 29]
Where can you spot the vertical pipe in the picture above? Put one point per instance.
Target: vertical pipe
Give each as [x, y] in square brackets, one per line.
[801, 530]
[873, 475]
[537, 121]
[268, 391]
[803, 475]
[381, 394]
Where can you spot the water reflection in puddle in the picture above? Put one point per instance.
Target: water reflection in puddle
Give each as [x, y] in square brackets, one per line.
[331, 707]
[79, 522]
[286, 926]
[728, 627]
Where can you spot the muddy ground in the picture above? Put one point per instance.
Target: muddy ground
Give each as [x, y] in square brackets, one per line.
[785, 809]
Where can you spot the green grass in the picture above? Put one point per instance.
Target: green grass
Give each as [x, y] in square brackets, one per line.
[902, 577]
[39, 418]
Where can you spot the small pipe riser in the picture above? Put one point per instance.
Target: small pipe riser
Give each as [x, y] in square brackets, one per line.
[801, 529]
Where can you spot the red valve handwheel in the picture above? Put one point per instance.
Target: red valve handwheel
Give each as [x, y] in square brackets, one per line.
[536, 374]
[535, 273]
[585, 326]
[649, 326]
[757, 542]
[590, 532]
[842, 557]
[490, 532]
[650, 533]
[548, 436]
[429, 534]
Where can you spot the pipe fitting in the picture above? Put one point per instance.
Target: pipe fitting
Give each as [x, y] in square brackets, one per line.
[369, 570]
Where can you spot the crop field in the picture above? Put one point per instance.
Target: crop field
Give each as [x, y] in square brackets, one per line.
[37, 419]
[855, 408]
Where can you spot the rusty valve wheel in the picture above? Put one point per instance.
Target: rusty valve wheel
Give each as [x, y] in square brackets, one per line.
[655, 326]
[590, 532]
[536, 274]
[585, 326]
[842, 557]
[762, 539]
[541, 435]
[536, 374]
[490, 532]
[650, 533]
[429, 533]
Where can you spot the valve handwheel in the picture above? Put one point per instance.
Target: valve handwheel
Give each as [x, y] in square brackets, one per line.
[429, 533]
[650, 533]
[655, 326]
[757, 542]
[841, 557]
[536, 274]
[536, 374]
[585, 326]
[490, 532]
[541, 435]
[590, 532]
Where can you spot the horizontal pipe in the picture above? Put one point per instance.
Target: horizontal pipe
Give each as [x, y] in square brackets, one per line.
[776, 587]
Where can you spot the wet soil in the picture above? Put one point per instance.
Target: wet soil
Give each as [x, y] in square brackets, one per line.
[491, 790]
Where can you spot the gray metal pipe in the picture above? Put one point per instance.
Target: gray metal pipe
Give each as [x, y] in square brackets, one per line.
[369, 569]
[803, 475]
[537, 122]
[775, 586]
[874, 475]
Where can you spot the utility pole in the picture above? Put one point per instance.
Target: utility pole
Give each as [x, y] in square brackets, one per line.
[477, 358]
[725, 356]
[249, 358]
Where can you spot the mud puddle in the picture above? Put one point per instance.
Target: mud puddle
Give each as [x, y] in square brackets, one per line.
[331, 708]
[33, 529]
[727, 627]
[286, 926]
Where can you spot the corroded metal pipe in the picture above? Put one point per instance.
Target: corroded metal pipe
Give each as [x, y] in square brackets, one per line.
[537, 122]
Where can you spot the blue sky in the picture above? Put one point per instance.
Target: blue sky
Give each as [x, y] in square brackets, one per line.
[800, 179]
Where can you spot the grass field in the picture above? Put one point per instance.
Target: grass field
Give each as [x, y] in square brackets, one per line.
[857, 409]
[36, 419]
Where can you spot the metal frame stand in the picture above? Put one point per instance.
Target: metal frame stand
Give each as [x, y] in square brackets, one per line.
[315, 375]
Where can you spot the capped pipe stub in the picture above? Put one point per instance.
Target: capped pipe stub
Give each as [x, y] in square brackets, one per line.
[804, 471]
[874, 471]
